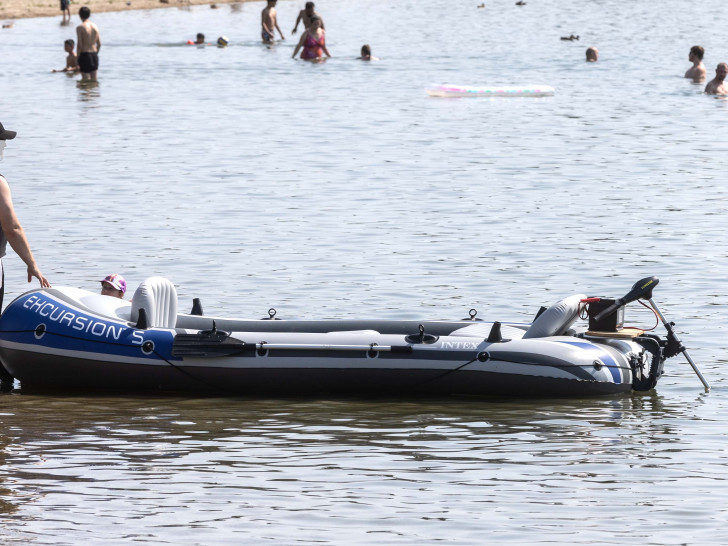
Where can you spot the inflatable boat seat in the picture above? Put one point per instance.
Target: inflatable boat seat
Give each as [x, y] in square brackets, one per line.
[556, 319]
[158, 297]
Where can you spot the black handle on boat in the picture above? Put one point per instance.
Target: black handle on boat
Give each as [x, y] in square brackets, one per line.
[642, 289]
[671, 335]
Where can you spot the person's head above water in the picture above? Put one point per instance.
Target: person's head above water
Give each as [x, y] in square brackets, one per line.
[68, 45]
[592, 54]
[721, 71]
[366, 51]
[200, 38]
[696, 52]
[84, 13]
[309, 8]
[113, 285]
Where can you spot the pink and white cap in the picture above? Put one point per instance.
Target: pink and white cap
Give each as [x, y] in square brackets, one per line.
[117, 281]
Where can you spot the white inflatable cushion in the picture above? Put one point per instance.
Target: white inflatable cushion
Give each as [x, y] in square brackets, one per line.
[158, 297]
[107, 305]
[556, 319]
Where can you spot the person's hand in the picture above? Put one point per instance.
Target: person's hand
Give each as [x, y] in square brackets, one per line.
[293, 31]
[35, 272]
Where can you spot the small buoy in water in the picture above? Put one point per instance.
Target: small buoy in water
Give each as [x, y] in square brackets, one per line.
[222, 41]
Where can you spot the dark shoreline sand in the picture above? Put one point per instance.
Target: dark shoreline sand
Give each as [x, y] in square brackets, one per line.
[22, 9]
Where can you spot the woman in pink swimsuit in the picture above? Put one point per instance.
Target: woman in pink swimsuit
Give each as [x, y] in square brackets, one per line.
[313, 42]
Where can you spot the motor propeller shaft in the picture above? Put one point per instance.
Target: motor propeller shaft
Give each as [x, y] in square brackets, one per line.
[668, 326]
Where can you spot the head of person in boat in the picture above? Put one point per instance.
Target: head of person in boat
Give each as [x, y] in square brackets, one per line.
[592, 54]
[5, 135]
[113, 285]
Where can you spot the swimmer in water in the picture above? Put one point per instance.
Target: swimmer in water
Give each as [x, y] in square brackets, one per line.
[313, 41]
[89, 44]
[269, 22]
[304, 16]
[200, 40]
[717, 85]
[366, 54]
[592, 54]
[696, 72]
[71, 59]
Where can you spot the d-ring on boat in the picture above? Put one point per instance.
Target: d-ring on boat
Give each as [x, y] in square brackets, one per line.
[68, 338]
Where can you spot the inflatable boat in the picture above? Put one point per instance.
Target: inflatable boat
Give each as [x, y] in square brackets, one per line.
[69, 338]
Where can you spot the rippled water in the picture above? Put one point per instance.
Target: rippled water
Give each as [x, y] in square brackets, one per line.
[342, 190]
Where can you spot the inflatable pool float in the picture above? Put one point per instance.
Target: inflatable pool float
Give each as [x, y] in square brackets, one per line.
[69, 338]
[498, 92]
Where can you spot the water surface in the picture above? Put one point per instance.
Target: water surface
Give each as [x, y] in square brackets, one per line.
[342, 190]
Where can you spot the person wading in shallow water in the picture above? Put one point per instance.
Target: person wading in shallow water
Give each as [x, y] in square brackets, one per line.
[10, 229]
[89, 44]
[717, 85]
[697, 71]
[269, 22]
[313, 42]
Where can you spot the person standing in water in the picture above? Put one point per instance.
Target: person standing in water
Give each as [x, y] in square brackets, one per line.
[717, 85]
[269, 22]
[10, 229]
[89, 44]
[71, 59]
[696, 72]
[313, 42]
[66, 11]
[304, 16]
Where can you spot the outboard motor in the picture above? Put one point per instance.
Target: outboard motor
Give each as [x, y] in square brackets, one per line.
[611, 317]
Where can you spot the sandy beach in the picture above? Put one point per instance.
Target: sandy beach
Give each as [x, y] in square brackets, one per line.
[18, 9]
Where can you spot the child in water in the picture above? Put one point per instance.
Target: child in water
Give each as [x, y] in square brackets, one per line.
[199, 41]
[71, 59]
[366, 54]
